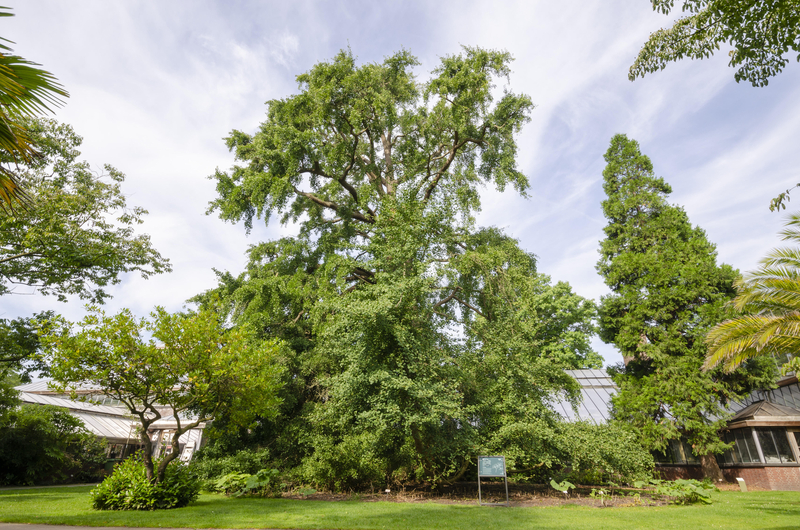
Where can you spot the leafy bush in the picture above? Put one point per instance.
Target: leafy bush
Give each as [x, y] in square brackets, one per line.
[599, 454]
[265, 483]
[248, 461]
[127, 488]
[347, 464]
[683, 491]
[43, 443]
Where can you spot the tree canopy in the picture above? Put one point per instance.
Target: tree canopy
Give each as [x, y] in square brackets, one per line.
[761, 33]
[667, 291]
[77, 235]
[416, 338]
[190, 364]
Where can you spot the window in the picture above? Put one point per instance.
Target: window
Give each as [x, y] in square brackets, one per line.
[676, 452]
[775, 446]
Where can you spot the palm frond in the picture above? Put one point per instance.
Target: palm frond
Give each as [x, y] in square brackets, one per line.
[25, 91]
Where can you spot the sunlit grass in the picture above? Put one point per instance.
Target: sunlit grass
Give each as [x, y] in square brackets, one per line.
[70, 506]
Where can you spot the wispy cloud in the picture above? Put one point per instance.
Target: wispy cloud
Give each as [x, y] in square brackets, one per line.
[155, 86]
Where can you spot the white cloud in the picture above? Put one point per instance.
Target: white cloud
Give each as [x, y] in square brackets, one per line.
[155, 86]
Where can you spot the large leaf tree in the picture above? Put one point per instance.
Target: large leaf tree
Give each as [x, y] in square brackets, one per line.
[77, 236]
[667, 291]
[418, 340]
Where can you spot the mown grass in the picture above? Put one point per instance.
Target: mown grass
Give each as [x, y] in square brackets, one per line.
[70, 506]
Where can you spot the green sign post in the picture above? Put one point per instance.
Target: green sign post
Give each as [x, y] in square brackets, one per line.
[492, 466]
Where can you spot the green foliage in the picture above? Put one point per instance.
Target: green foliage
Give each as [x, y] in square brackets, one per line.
[208, 466]
[667, 292]
[190, 363]
[128, 488]
[19, 345]
[779, 202]
[766, 322]
[761, 34]
[43, 443]
[76, 237]
[415, 339]
[685, 491]
[264, 483]
[598, 454]
[563, 486]
[228, 483]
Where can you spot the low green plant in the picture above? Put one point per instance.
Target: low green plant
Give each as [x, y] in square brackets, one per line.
[563, 486]
[305, 492]
[128, 488]
[681, 491]
[228, 484]
[265, 483]
[600, 493]
[686, 491]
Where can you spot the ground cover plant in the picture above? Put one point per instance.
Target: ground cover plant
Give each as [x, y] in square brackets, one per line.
[731, 510]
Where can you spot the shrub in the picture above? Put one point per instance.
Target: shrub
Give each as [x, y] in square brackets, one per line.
[265, 483]
[245, 461]
[684, 491]
[43, 443]
[602, 453]
[127, 488]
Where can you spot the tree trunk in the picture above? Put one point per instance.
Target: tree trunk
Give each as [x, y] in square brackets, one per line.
[147, 453]
[710, 467]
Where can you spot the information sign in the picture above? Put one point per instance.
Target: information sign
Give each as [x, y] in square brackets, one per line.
[492, 466]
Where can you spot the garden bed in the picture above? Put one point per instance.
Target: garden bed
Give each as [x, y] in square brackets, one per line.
[493, 492]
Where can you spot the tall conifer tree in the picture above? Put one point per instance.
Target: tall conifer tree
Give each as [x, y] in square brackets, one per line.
[667, 291]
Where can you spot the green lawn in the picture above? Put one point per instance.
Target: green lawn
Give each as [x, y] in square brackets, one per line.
[70, 506]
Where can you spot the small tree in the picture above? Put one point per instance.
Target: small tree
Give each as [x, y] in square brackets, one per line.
[192, 364]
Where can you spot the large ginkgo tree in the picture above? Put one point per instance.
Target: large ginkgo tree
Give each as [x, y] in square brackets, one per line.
[418, 340]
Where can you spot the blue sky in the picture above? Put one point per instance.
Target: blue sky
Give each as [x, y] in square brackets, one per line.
[155, 86]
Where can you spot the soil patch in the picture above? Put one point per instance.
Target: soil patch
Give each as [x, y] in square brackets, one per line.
[494, 492]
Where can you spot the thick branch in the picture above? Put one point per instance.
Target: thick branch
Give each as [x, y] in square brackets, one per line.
[468, 305]
[355, 214]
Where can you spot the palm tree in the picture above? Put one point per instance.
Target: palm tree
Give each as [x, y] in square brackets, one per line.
[768, 303]
[25, 91]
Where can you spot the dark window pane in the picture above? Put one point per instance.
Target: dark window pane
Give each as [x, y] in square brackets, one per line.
[768, 446]
[745, 446]
[727, 456]
[690, 456]
[677, 451]
[663, 458]
[784, 449]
